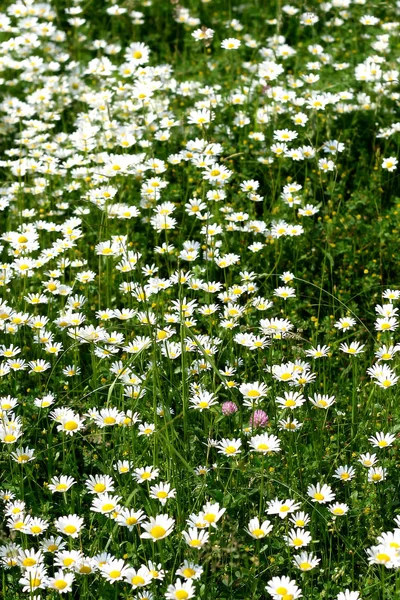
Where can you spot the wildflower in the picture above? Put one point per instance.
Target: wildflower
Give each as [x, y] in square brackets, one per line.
[320, 493]
[229, 447]
[265, 443]
[382, 440]
[71, 525]
[99, 484]
[282, 508]
[353, 348]
[230, 44]
[322, 401]
[114, 570]
[338, 509]
[162, 492]
[281, 588]
[196, 538]
[23, 455]
[300, 519]
[157, 528]
[259, 418]
[257, 530]
[130, 518]
[345, 323]
[61, 484]
[376, 474]
[318, 352]
[291, 400]
[348, 595]
[229, 408]
[105, 503]
[190, 570]
[306, 561]
[344, 473]
[297, 538]
[138, 578]
[367, 460]
[390, 163]
[180, 590]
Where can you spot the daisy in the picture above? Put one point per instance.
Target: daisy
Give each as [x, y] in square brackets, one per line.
[353, 348]
[114, 570]
[190, 570]
[196, 538]
[253, 390]
[281, 508]
[367, 460]
[71, 525]
[211, 513]
[143, 474]
[382, 440]
[291, 400]
[229, 447]
[162, 492]
[348, 595]
[105, 503]
[320, 493]
[300, 519]
[230, 44]
[281, 588]
[306, 561]
[257, 530]
[297, 538]
[61, 484]
[318, 352]
[322, 401]
[138, 578]
[376, 474]
[390, 163]
[157, 528]
[344, 473]
[345, 323]
[338, 509]
[265, 443]
[129, 518]
[62, 582]
[99, 484]
[180, 590]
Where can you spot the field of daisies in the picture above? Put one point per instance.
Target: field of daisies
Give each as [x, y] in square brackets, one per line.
[199, 291]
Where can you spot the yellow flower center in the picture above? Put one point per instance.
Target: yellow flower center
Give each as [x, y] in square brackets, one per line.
[70, 529]
[157, 532]
[258, 532]
[319, 496]
[253, 394]
[162, 494]
[99, 488]
[181, 594]
[209, 517]
[29, 562]
[297, 542]
[281, 591]
[137, 580]
[188, 572]
[108, 507]
[382, 557]
[305, 566]
[36, 529]
[109, 420]
[131, 521]
[61, 584]
[71, 425]
[114, 574]
[195, 543]
[67, 562]
[230, 450]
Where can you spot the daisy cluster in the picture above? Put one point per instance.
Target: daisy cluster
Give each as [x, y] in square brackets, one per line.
[168, 398]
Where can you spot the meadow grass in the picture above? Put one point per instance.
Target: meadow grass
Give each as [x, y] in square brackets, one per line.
[200, 214]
